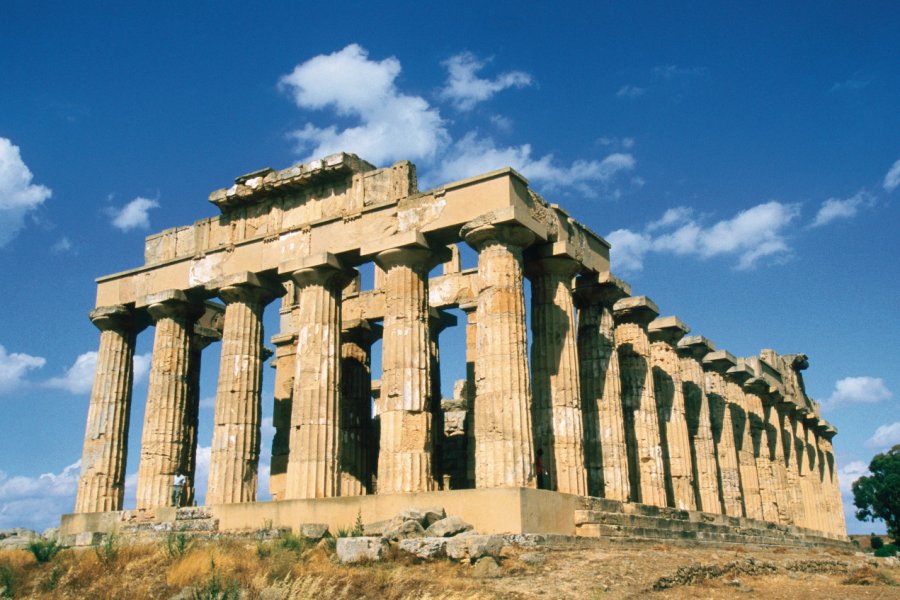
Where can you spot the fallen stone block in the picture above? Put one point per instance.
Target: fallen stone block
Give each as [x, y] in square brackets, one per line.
[486, 568]
[359, 549]
[404, 530]
[313, 531]
[471, 547]
[427, 547]
[448, 527]
[376, 529]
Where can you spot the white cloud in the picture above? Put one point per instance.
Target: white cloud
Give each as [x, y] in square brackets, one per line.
[885, 437]
[465, 89]
[850, 473]
[892, 178]
[858, 390]
[392, 125]
[850, 85]
[37, 502]
[630, 91]
[751, 235]
[13, 368]
[134, 215]
[835, 208]
[79, 378]
[18, 196]
[61, 246]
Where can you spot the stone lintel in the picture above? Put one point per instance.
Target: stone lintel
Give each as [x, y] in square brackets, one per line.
[406, 239]
[284, 339]
[212, 322]
[161, 298]
[323, 260]
[376, 393]
[719, 361]
[563, 250]
[245, 285]
[740, 373]
[667, 329]
[695, 346]
[635, 309]
[361, 329]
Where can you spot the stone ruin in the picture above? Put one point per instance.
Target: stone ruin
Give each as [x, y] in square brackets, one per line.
[626, 409]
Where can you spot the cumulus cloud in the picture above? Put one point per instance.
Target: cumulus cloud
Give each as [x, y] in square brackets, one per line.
[391, 125]
[752, 235]
[836, 208]
[18, 195]
[892, 177]
[37, 502]
[14, 366]
[885, 437]
[79, 378]
[465, 89]
[61, 246]
[134, 215]
[850, 473]
[858, 390]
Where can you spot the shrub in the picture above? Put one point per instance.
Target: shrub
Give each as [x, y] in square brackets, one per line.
[875, 541]
[177, 543]
[6, 582]
[888, 550]
[43, 549]
[216, 588]
[108, 550]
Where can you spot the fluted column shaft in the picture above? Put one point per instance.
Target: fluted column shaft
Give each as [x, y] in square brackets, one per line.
[775, 444]
[647, 472]
[703, 447]
[764, 467]
[813, 477]
[669, 392]
[101, 486]
[356, 409]
[793, 460]
[404, 459]
[726, 454]
[606, 454]
[824, 492]
[313, 467]
[470, 310]
[744, 444]
[838, 524]
[165, 415]
[285, 367]
[504, 452]
[556, 409]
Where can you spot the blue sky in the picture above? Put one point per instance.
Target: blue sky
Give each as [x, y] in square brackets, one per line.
[744, 161]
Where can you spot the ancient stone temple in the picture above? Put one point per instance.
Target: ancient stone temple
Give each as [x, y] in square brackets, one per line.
[624, 412]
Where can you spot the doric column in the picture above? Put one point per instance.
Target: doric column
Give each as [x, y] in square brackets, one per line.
[664, 334]
[646, 470]
[815, 472]
[313, 466]
[285, 365]
[234, 459]
[356, 406]
[743, 439]
[471, 311]
[605, 450]
[838, 524]
[168, 392]
[438, 320]
[101, 486]
[806, 463]
[556, 409]
[707, 493]
[774, 446]
[825, 499]
[793, 459]
[405, 451]
[754, 389]
[504, 455]
[715, 364]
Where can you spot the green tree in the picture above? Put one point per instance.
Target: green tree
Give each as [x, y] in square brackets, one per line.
[877, 496]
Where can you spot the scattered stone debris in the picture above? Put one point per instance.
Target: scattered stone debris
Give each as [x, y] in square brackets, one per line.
[360, 549]
[313, 531]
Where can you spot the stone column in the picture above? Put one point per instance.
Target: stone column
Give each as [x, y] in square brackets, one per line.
[816, 493]
[664, 334]
[504, 455]
[825, 499]
[556, 409]
[806, 464]
[606, 454]
[285, 365]
[438, 320]
[743, 439]
[775, 447]
[405, 452]
[168, 390]
[707, 493]
[101, 486]
[715, 364]
[313, 466]
[838, 524]
[754, 388]
[234, 458]
[356, 406]
[792, 459]
[646, 470]
[471, 310]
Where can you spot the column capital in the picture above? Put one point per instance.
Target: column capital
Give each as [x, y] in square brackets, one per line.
[563, 266]
[759, 386]
[740, 374]
[719, 361]
[315, 269]
[667, 329]
[440, 320]
[361, 331]
[479, 233]
[409, 248]
[117, 317]
[695, 346]
[246, 287]
[635, 309]
[603, 287]
[173, 304]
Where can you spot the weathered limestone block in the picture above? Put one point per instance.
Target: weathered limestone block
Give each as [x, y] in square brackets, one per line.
[715, 364]
[504, 455]
[792, 459]
[691, 351]
[405, 461]
[360, 549]
[165, 416]
[814, 472]
[646, 470]
[234, 458]
[743, 439]
[825, 500]
[448, 527]
[606, 454]
[101, 486]
[438, 320]
[313, 466]
[471, 547]
[427, 547]
[356, 407]
[775, 445]
[664, 334]
[457, 426]
[285, 365]
[556, 409]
